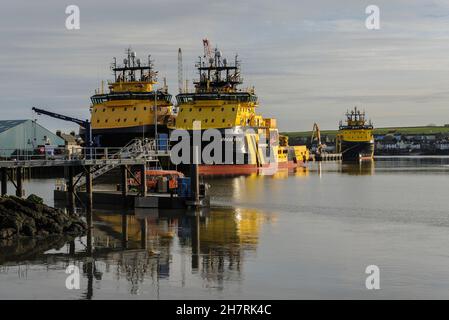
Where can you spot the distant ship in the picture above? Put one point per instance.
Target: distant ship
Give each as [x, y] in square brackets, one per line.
[355, 140]
[127, 111]
[218, 103]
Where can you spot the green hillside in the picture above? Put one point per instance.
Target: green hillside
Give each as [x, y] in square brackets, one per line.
[393, 130]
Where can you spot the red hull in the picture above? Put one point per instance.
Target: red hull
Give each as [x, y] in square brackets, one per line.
[242, 169]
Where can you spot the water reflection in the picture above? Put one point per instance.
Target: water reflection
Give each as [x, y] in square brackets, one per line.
[327, 227]
[358, 168]
[149, 246]
[321, 168]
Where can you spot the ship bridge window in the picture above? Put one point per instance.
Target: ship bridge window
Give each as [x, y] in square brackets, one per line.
[181, 99]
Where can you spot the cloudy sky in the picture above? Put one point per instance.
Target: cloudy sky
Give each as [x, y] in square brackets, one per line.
[309, 61]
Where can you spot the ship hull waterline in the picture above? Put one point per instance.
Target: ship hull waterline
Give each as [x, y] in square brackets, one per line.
[356, 150]
[246, 169]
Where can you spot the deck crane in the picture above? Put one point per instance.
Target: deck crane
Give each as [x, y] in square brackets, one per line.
[207, 50]
[316, 135]
[83, 123]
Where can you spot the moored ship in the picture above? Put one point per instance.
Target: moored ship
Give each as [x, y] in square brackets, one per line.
[132, 107]
[218, 103]
[355, 140]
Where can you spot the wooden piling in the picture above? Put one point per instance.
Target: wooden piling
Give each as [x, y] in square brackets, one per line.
[195, 241]
[89, 200]
[124, 230]
[195, 180]
[143, 181]
[71, 188]
[4, 182]
[143, 233]
[19, 181]
[124, 183]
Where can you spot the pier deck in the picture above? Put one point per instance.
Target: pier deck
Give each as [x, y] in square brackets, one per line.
[94, 162]
[115, 199]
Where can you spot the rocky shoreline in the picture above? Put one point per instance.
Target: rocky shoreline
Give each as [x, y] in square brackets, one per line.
[31, 218]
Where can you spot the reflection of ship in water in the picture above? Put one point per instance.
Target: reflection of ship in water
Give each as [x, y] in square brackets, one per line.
[220, 242]
[217, 240]
[149, 247]
[358, 169]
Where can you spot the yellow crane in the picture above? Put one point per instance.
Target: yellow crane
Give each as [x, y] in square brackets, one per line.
[316, 135]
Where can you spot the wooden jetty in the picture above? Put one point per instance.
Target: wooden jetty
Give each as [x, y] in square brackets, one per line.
[326, 157]
[79, 187]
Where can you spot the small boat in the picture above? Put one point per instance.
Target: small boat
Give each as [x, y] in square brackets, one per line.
[158, 180]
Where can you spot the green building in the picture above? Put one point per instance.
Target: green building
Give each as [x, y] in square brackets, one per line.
[24, 137]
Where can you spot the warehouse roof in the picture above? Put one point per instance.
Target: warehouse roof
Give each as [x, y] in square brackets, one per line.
[8, 124]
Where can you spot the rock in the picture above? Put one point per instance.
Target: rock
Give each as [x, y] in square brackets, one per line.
[43, 233]
[7, 233]
[30, 218]
[35, 199]
[28, 227]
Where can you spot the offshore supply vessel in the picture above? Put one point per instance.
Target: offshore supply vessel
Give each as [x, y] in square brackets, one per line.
[132, 107]
[355, 140]
[218, 103]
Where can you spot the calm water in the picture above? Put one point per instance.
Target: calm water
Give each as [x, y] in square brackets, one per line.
[302, 235]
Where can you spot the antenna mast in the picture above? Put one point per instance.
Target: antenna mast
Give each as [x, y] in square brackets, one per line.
[180, 80]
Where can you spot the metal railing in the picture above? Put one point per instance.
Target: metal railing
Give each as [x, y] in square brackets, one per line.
[149, 148]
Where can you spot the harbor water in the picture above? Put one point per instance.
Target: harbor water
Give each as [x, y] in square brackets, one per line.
[308, 234]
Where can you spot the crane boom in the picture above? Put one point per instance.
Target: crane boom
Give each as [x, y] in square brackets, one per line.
[207, 49]
[84, 123]
[316, 133]
[60, 116]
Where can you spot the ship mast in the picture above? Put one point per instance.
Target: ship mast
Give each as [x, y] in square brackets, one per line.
[133, 69]
[216, 74]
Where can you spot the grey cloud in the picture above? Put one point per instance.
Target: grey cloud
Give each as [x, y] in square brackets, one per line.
[309, 61]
